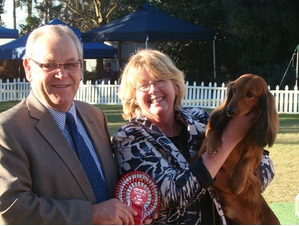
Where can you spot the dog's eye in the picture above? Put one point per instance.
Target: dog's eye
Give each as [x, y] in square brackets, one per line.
[249, 94]
[233, 89]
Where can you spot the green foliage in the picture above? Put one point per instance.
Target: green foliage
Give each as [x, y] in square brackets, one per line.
[1, 7]
[31, 23]
[253, 36]
[261, 37]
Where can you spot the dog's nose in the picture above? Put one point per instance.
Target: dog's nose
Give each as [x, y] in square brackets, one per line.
[230, 111]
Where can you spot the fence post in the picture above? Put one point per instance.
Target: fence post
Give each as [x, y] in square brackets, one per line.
[209, 97]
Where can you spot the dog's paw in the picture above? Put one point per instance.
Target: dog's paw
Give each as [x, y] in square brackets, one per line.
[213, 144]
[213, 151]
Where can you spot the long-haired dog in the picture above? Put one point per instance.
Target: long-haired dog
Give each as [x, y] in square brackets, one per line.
[238, 183]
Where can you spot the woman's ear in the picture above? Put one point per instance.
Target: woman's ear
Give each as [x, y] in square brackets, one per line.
[27, 69]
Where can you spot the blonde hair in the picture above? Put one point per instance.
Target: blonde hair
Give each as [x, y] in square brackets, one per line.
[58, 30]
[159, 66]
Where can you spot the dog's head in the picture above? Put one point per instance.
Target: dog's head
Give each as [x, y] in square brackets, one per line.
[250, 93]
[245, 95]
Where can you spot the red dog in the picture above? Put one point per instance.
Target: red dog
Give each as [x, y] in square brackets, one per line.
[237, 182]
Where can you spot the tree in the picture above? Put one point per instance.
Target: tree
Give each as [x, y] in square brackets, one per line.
[1, 6]
[86, 15]
[49, 9]
[257, 39]
[253, 36]
[1, 11]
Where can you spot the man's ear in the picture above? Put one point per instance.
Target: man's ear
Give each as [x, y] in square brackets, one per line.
[27, 69]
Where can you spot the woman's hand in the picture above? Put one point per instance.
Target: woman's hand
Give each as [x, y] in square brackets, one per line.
[235, 131]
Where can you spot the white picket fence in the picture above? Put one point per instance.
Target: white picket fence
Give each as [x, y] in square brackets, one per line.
[206, 96]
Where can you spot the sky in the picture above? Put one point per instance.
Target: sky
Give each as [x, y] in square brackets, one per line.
[7, 17]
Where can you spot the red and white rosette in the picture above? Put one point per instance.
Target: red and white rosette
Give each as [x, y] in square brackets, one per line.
[138, 190]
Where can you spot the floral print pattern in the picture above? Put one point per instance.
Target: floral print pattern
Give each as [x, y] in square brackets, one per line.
[140, 145]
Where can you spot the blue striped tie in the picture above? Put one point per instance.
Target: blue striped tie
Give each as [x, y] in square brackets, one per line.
[95, 179]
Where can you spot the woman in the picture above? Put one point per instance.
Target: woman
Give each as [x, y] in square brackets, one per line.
[162, 139]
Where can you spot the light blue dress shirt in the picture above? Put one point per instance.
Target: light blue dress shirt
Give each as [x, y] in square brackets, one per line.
[60, 117]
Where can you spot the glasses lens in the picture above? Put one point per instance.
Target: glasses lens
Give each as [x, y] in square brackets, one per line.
[71, 66]
[158, 83]
[143, 87]
[49, 66]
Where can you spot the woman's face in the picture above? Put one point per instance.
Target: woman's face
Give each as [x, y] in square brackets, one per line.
[156, 98]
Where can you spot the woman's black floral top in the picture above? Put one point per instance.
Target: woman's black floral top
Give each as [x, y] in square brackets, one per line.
[140, 145]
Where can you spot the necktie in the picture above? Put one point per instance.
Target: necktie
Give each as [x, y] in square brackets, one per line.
[95, 179]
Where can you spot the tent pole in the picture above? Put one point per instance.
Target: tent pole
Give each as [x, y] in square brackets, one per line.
[82, 63]
[214, 56]
[297, 66]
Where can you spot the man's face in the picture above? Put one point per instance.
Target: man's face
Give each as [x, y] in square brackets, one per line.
[108, 67]
[56, 88]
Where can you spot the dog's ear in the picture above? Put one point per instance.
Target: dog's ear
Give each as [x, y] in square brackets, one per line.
[266, 124]
[273, 119]
[218, 118]
[229, 93]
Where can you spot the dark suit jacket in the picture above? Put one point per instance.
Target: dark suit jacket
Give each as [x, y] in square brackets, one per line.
[41, 178]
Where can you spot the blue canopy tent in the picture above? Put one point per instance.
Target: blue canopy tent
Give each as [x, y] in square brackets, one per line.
[8, 33]
[147, 24]
[95, 50]
[15, 49]
[56, 21]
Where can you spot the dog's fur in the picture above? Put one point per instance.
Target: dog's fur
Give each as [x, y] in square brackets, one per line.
[238, 183]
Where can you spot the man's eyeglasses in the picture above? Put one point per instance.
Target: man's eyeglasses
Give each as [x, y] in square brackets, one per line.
[54, 66]
[158, 83]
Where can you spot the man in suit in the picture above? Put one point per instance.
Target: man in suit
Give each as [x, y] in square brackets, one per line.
[42, 181]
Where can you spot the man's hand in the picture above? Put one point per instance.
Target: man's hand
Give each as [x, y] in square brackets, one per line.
[149, 221]
[113, 212]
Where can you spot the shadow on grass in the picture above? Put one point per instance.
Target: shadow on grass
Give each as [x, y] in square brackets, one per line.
[288, 123]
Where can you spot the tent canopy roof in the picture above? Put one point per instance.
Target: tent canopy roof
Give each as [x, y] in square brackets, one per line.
[148, 22]
[16, 49]
[8, 33]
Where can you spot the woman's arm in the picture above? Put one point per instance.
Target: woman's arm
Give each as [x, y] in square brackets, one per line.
[137, 150]
[235, 131]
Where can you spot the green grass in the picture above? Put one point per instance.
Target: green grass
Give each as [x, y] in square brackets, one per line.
[113, 113]
[285, 154]
[6, 105]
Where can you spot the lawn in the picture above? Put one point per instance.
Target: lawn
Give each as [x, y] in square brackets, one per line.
[285, 154]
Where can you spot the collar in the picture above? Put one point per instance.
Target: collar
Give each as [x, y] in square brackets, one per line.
[59, 116]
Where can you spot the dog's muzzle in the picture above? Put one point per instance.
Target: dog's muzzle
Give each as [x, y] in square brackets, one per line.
[230, 111]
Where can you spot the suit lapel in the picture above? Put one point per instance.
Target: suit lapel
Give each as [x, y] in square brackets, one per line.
[55, 137]
[99, 136]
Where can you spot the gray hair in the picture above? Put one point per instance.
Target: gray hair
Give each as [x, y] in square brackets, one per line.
[58, 30]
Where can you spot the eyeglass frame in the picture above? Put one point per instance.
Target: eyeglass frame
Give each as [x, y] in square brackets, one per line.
[41, 65]
[156, 83]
